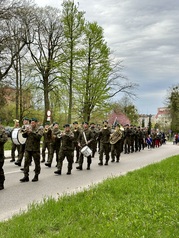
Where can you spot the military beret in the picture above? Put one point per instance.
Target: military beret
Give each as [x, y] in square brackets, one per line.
[75, 122]
[25, 118]
[55, 123]
[105, 122]
[85, 122]
[92, 123]
[34, 119]
[47, 123]
[66, 125]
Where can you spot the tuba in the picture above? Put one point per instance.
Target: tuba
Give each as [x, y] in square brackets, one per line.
[116, 136]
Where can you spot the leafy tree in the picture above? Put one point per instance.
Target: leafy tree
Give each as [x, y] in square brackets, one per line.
[73, 24]
[173, 103]
[45, 49]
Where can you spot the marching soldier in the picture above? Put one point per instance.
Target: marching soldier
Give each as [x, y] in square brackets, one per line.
[33, 133]
[47, 140]
[14, 146]
[94, 142]
[104, 137]
[66, 150]
[3, 140]
[55, 144]
[85, 138]
[127, 139]
[76, 131]
[116, 141]
[22, 146]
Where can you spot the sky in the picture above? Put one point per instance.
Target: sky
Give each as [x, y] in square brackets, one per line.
[144, 34]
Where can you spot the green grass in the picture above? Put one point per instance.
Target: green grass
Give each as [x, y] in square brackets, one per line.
[141, 204]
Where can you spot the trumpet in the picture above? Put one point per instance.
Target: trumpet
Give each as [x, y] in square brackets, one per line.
[48, 129]
[27, 128]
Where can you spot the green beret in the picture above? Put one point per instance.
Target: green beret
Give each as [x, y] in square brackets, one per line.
[34, 119]
[66, 125]
[25, 118]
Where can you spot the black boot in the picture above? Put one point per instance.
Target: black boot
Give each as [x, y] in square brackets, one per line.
[69, 172]
[48, 164]
[58, 172]
[106, 163]
[12, 160]
[35, 179]
[79, 167]
[17, 163]
[100, 163]
[24, 179]
[1, 185]
[42, 161]
[88, 167]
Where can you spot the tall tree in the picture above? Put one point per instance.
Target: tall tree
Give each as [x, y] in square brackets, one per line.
[73, 24]
[94, 71]
[45, 49]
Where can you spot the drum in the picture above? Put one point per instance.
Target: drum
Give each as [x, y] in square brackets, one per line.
[86, 151]
[17, 137]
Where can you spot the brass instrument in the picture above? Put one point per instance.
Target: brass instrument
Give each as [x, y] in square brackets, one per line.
[48, 129]
[117, 135]
[27, 128]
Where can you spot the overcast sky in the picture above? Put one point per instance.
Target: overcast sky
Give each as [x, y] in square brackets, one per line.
[145, 35]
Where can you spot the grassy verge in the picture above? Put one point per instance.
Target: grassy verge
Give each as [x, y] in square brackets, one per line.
[144, 204]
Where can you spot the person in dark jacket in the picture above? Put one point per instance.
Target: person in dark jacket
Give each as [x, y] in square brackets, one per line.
[105, 147]
[33, 133]
[85, 139]
[66, 150]
[3, 140]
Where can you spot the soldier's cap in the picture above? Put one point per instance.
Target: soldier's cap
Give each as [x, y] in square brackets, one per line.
[47, 123]
[127, 125]
[55, 123]
[34, 119]
[92, 123]
[85, 122]
[25, 118]
[117, 124]
[105, 122]
[75, 122]
[66, 125]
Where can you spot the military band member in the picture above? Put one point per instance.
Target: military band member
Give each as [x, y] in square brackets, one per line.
[85, 138]
[76, 131]
[66, 150]
[116, 141]
[14, 146]
[95, 135]
[55, 144]
[3, 140]
[104, 137]
[33, 133]
[22, 146]
[47, 140]
[127, 139]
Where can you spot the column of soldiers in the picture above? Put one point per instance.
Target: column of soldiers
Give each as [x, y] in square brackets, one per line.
[71, 142]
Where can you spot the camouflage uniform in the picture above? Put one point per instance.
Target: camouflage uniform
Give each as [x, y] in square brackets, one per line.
[82, 143]
[105, 147]
[94, 142]
[47, 140]
[66, 150]
[54, 146]
[76, 132]
[3, 140]
[32, 150]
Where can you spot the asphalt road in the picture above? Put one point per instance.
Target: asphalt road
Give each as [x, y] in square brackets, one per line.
[17, 196]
